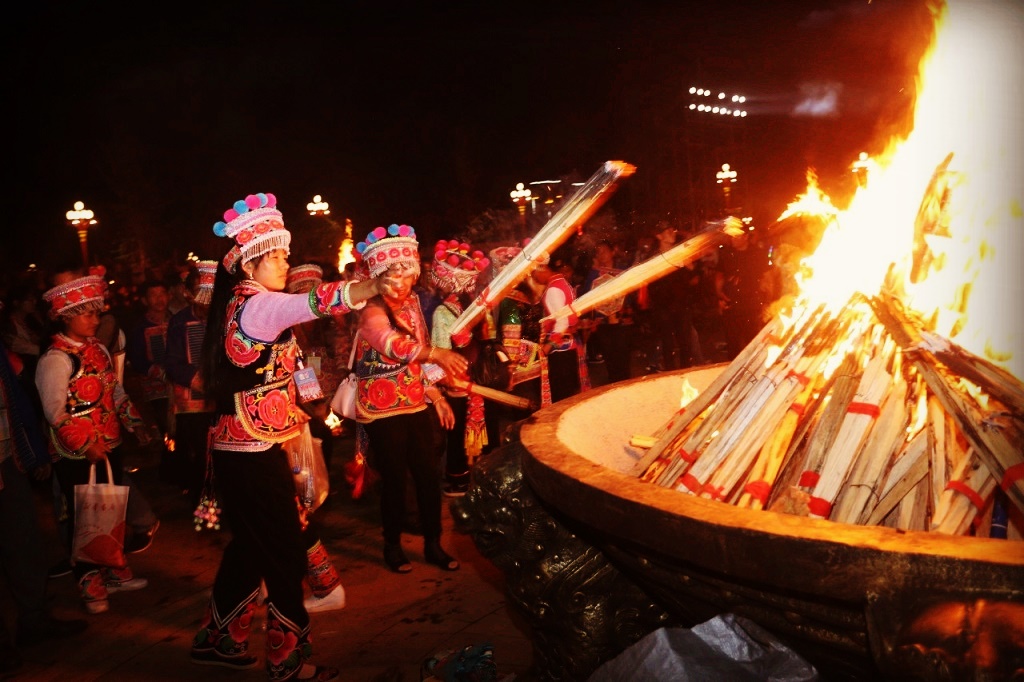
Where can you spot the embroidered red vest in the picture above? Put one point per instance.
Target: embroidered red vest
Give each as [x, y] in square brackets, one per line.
[259, 408]
[92, 414]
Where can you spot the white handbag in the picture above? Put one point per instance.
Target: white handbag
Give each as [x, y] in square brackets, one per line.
[343, 403]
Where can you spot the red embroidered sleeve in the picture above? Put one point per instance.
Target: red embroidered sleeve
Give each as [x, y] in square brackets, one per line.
[129, 416]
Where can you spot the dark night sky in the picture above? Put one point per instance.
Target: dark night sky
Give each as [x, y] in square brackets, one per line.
[427, 113]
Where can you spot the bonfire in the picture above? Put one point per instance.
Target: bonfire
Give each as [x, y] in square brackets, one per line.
[890, 392]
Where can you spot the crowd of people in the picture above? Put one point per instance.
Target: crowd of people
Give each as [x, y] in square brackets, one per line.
[202, 363]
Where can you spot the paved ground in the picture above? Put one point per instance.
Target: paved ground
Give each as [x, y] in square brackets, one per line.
[391, 623]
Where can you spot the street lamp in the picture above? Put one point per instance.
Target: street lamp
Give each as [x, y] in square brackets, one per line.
[318, 206]
[706, 102]
[860, 168]
[726, 177]
[82, 219]
[520, 197]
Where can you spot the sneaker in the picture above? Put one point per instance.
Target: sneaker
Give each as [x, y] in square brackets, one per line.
[59, 569]
[122, 580]
[94, 592]
[214, 657]
[334, 600]
[140, 542]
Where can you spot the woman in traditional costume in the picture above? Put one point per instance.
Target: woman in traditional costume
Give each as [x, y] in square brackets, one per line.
[392, 354]
[248, 361]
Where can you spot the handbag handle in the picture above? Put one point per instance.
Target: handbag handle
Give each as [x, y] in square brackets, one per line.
[92, 473]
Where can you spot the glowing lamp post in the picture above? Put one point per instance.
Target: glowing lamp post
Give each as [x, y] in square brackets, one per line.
[318, 206]
[726, 177]
[860, 168]
[520, 197]
[82, 219]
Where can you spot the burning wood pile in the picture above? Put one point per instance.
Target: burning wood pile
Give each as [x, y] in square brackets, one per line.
[860, 408]
[859, 416]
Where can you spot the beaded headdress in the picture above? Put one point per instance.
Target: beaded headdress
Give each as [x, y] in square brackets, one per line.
[304, 278]
[257, 228]
[385, 247]
[77, 296]
[207, 275]
[456, 266]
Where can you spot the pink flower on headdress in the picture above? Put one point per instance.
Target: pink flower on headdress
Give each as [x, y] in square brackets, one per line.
[244, 237]
[273, 409]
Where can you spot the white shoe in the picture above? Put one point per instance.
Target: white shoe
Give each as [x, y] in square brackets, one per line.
[334, 600]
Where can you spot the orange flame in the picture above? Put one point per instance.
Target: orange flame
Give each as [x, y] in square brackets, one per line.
[940, 223]
[688, 393]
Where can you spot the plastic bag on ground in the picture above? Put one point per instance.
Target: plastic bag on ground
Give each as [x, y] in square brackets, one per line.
[727, 647]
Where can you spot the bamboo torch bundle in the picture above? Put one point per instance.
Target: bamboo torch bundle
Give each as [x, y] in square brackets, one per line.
[653, 268]
[730, 459]
[996, 438]
[741, 391]
[861, 417]
[909, 467]
[847, 417]
[769, 461]
[573, 212]
[885, 440]
[693, 443]
[964, 497]
[911, 513]
[741, 365]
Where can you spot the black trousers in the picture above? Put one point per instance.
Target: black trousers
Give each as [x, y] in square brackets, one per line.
[615, 345]
[456, 464]
[564, 374]
[187, 465]
[402, 445]
[257, 496]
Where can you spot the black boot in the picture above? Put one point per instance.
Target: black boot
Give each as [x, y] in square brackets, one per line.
[433, 554]
[395, 558]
